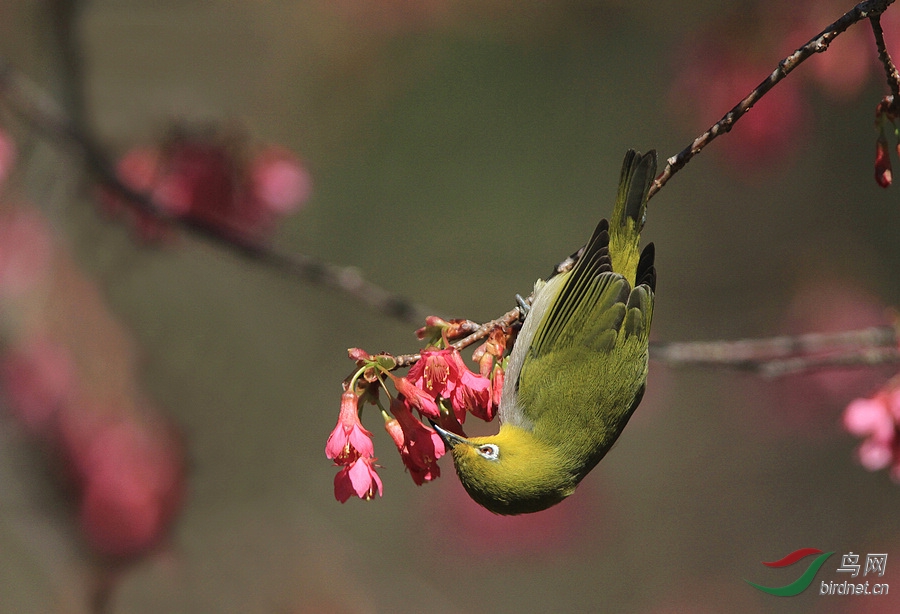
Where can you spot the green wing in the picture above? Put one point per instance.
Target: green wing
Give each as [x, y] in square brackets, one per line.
[591, 305]
[591, 316]
[594, 312]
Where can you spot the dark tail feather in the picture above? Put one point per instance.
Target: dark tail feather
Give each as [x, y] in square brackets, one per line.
[634, 184]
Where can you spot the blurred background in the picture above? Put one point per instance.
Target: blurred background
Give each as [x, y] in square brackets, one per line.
[456, 151]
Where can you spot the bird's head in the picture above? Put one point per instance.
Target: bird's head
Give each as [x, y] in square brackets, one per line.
[511, 472]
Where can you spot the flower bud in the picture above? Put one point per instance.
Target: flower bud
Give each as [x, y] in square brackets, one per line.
[883, 174]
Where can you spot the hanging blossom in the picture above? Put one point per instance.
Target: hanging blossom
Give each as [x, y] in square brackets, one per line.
[350, 446]
[439, 387]
[420, 447]
[358, 478]
[877, 421]
[349, 440]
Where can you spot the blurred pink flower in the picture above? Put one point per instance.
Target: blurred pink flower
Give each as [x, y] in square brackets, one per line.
[358, 478]
[26, 251]
[845, 68]
[129, 478]
[583, 518]
[870, 418]
[710, 79]
[809, 404]
[133, 485]
[210, 178]
[876, 421]
[280, 181]
[37, 379]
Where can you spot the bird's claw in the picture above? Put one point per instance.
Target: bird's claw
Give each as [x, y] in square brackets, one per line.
[524, 307]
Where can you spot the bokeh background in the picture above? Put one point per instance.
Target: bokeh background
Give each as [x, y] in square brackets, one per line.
[458, 150]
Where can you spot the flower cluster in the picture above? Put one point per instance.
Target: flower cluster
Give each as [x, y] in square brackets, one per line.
[123, 460]
[127, 471]
[877, 420]
[215, 179]
[438, 387]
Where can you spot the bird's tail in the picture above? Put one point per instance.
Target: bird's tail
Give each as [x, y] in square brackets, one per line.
[638, 172]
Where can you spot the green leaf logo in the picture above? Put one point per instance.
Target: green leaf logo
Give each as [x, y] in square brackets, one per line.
[800, 584]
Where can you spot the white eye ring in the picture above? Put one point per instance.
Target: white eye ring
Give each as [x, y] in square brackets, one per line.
[489, 451]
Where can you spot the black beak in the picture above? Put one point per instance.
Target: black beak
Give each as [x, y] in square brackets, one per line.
[451, 439]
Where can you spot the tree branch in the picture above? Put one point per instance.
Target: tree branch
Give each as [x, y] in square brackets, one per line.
[890, 70]
[40, 111]
[818, 44]
[782, 355]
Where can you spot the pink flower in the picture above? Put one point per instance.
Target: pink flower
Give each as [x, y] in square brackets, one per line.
[349, 440]
[420, 446]
[26, 252]
[472, 393]
[208, 177]
[141, 170]
[358, 478]
[280, 181]
[37, 380]
[416, 397]
[875, 455]
[436, 372]
[874, 420]
[870, 418]
[130, 480]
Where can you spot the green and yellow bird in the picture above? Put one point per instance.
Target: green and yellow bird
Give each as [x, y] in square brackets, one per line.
[578, 367]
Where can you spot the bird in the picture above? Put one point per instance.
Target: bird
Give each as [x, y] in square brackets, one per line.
[578, 368]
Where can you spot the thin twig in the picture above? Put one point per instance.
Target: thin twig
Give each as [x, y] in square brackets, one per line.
[42, 114]
[817, 44]
[890, 70]
[506, 320]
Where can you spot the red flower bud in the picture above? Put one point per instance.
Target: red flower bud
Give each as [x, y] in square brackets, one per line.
[883, 174]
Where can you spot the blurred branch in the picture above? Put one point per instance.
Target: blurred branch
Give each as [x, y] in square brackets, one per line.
[818, 44]
[64, 15]
[777, 356]
[41, 113]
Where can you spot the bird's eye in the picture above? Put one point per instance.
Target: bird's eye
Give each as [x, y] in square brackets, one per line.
[489, 451]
